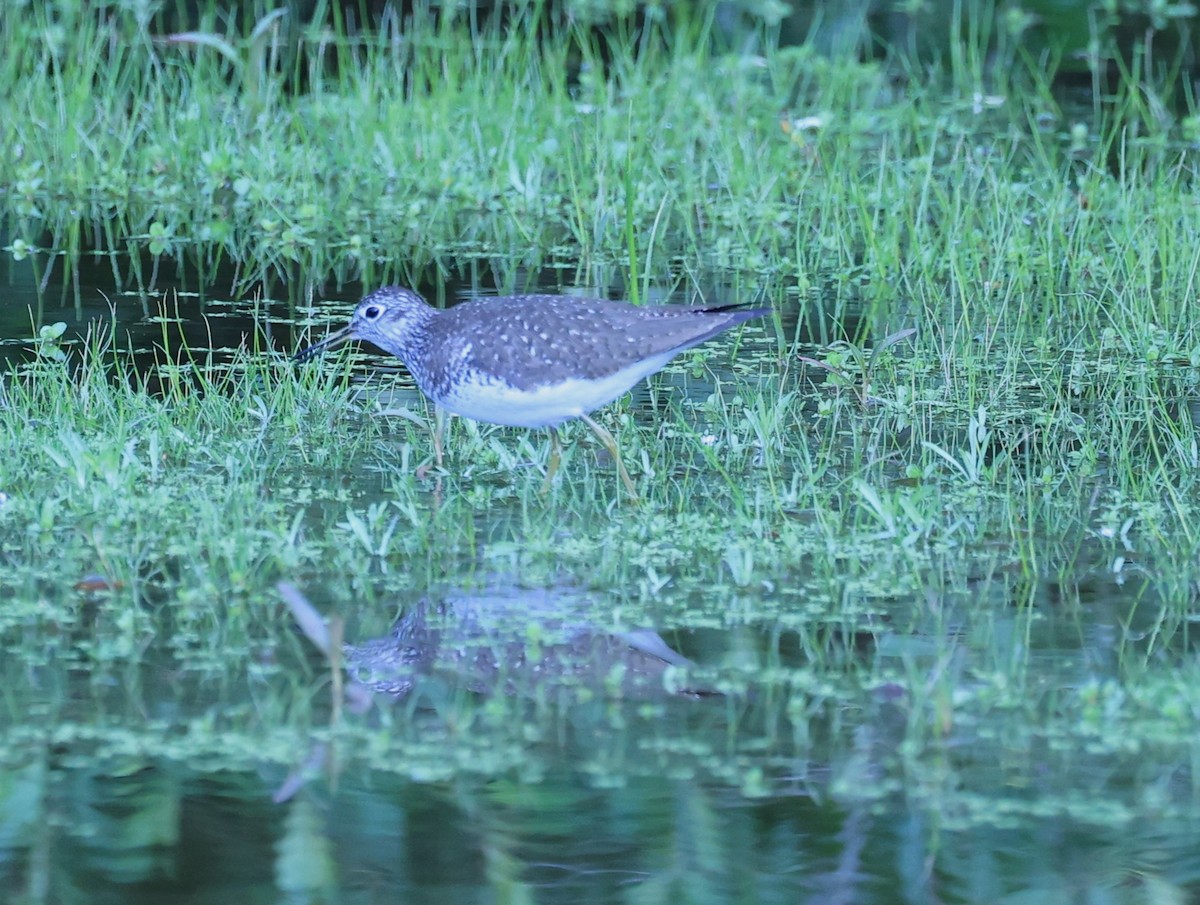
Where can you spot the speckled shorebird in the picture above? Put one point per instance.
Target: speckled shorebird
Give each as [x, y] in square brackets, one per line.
[530, 360]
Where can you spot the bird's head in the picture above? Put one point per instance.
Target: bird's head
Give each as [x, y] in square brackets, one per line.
[391, 318]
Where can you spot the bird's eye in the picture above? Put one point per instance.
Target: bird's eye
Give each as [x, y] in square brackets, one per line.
[372, 311]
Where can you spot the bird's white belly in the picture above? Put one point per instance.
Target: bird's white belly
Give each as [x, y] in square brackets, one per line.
[545, 406]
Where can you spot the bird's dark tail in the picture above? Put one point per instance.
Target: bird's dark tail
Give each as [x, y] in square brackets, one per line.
[740, 307]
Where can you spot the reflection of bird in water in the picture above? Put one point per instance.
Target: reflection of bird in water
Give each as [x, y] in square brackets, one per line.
[511, 643]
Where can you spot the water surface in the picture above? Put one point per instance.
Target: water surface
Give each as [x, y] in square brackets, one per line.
[929, 724]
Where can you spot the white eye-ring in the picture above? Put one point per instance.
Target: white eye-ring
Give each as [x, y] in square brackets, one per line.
[371, 312]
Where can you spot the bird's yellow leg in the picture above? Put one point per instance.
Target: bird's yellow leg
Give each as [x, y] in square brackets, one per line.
[554, 460]
[611, 445]
[439, 432]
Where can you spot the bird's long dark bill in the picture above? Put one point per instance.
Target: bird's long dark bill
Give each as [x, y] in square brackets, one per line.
[332, 341]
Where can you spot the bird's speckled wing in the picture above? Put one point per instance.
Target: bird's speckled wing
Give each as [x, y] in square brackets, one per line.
[534, 335]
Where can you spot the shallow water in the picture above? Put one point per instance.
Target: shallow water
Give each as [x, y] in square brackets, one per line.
[753, 768]
[204, 837]
[799, 781]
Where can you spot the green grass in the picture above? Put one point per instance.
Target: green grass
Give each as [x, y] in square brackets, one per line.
[900, 553]
[881, 541]
[410, 156]
[889, 594]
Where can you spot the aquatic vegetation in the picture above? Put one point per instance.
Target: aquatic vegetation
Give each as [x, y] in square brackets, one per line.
[929, 535]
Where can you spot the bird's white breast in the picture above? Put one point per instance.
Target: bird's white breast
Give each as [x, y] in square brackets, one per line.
[547, 405]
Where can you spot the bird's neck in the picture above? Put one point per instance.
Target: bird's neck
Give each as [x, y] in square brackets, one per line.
[410, 339]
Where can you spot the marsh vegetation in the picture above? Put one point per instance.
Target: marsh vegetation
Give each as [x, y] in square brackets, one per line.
[928, 537]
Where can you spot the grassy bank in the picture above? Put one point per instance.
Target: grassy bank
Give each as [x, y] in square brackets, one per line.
[399, 154]
[820, 556]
